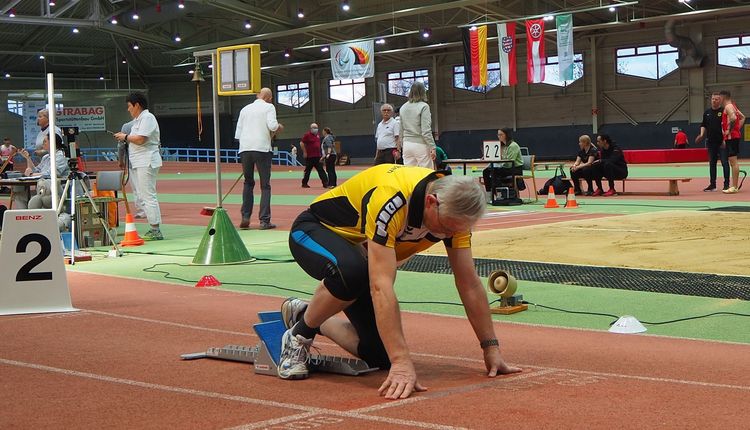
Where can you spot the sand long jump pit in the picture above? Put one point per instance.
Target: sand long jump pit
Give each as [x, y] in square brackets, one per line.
[686, 241]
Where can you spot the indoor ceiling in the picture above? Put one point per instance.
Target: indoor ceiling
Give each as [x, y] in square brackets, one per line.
[100, 48]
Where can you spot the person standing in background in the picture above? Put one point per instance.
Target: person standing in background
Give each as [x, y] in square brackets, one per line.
[416, 129]
[680, 139]
[310, 145]
[7, 152]
[717, 150]
[42, 120]
[387, 137]
[144, 142]
[328, 147]
[256, 126]
[732, 121]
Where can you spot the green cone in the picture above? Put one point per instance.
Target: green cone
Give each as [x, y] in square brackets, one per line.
[221, 244]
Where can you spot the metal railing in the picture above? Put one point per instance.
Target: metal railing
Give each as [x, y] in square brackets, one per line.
[200, 155]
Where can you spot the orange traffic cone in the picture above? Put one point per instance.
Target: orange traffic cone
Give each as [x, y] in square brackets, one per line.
[571, 203]
[551, 200]
[131, 234]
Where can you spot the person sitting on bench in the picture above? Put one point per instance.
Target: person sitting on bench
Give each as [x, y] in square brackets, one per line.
[501, 174]
[611, 164]
[583, 167]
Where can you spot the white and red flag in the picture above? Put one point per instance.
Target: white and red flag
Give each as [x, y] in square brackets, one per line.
[506, 40]
[535, 57]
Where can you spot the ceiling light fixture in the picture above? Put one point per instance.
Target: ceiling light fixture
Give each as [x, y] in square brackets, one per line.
[41, 57]
[324, 49]
[426, 33]
[612, 8]
[287, 53]
[181, 4]
[12, 13]
[136, 46]
[113, 21]
[177, 38]
[300, 13]
[247, 24]
[549, 18]
[52, 3]
[124, 61]
[380, 41]
[345, 6]
[7, 75]
[135, 16]
[75, 30]
[101, 77]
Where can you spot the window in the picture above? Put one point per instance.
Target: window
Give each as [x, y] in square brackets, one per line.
[15, 106]
[552, 71]
[293, 95]
[650, 62]
[347, 90]
[734, 51]
[493, 78]
[400, 83]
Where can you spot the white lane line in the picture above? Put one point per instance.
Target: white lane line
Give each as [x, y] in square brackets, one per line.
[222, 396]
[274, 421]
[427, 395]
[174, 324]
[455, 358]
[589, 372]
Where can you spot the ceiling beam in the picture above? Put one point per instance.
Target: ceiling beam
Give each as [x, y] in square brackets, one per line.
[81, 23]
[338, 24]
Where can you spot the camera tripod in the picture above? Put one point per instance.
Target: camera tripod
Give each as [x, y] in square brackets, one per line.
[70, 184]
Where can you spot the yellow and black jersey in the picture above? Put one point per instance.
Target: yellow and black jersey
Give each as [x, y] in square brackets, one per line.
[385, 204]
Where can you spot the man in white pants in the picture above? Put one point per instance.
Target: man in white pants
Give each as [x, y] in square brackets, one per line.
[125, 162]
[145, 159]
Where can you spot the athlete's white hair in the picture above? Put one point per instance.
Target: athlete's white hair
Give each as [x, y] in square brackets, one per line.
[460, 197]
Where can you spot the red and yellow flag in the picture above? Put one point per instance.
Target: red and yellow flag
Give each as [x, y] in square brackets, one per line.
[475, 56]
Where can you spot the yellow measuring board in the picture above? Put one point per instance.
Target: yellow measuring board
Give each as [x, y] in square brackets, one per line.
[238, 69]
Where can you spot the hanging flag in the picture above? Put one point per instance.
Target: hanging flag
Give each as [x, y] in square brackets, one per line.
[565, 46]
[535, 58]
[475, 56]
[353, 60]
[506, 40]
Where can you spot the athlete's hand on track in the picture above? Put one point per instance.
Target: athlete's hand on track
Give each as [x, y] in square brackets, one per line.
[401, 381]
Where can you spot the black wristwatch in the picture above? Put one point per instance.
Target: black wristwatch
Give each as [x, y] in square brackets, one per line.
[489, 342]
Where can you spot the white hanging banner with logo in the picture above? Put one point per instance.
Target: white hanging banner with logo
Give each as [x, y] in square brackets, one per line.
[353, 60]
[565, 46]
[86, 118]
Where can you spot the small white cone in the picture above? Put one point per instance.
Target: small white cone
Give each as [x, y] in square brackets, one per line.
[627, 324]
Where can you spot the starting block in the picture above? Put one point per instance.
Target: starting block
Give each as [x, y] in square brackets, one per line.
[266, 354]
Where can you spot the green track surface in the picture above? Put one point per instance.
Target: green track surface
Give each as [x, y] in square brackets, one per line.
[174, 255]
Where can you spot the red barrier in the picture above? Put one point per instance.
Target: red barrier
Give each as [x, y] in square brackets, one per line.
[641, 156]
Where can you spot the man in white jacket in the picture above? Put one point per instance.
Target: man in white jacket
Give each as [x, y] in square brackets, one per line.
[256, 126]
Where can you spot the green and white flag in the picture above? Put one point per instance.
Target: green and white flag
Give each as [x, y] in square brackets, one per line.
[565, 46]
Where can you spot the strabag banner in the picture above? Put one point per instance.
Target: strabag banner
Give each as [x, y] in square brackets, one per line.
[353, 60]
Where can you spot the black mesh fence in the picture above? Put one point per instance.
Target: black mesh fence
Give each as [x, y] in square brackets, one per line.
[657, 281]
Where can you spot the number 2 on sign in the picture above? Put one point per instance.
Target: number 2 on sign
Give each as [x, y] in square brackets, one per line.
[492, 150]
[25, 273]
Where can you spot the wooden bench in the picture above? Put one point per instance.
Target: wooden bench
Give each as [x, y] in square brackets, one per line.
[674, 190]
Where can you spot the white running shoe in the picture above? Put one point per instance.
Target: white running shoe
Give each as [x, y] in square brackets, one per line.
[731, 190]
[291, 311]
[295, 352]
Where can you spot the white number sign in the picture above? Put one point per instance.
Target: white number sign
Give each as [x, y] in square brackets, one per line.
[33, 278]
[491, 150]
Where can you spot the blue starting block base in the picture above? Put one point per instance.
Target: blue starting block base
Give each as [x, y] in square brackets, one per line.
[265, 356]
